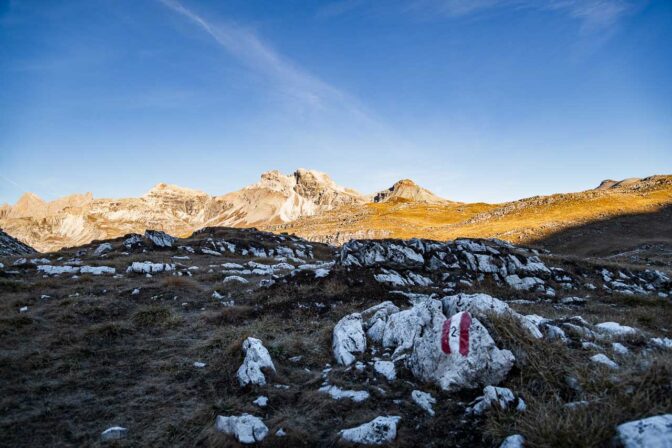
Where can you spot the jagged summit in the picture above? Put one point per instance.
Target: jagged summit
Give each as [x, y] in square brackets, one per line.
[311, 204]
[407, 190]
[29, 204]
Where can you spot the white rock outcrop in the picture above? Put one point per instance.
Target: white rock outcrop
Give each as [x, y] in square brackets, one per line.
[337, 393]
[97, 270]
[102, 249]
[482, 304]
[246, 428]
[514, 441]
[147, 267]
[256, 358]
[651, 432]
[160, 239]
[501, 396]
[113, 433]
[348, 339]
[57, 270]
[378, 431]
[615, 329]
[482, 363]
[425, 400]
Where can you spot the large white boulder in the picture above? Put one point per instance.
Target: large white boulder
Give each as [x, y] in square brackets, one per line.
[256, 358]
[458, 353]
[483, 304]
[402, 328]
[348, 339]
[375, 318]
[246, 428]
[378, 431]
[651, 432]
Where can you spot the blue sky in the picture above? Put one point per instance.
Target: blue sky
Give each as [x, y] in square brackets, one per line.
[477, 100]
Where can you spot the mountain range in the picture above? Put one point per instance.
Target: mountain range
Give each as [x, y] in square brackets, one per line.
[310, 204]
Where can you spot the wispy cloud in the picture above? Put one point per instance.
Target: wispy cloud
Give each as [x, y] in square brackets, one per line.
[593, 14]
[293, 81]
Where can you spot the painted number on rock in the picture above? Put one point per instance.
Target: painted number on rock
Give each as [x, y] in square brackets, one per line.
[455, 335]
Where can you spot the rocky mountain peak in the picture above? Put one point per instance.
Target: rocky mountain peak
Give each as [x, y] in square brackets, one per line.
[29, 204]
[164, 189]
[608, 184]
[406, 189]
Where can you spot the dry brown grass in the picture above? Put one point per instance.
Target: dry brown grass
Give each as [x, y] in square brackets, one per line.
[641, 387]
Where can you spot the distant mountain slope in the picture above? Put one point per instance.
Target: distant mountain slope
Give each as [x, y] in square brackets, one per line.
[525, 221]
[79, 219]
[11, 246]
[407, 190]
[311, 205]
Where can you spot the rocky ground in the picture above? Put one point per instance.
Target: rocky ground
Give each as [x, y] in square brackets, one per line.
[236, 336]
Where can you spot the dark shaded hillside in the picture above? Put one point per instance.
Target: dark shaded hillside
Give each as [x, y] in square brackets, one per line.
[637, 238]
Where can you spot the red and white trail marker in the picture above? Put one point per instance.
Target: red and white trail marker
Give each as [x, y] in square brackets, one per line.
[455, 335]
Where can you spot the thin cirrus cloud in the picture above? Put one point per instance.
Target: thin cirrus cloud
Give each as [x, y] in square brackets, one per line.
[291, 80]
[593, 14]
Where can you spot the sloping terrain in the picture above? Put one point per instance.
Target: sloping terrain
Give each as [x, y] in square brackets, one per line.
[151, 334]
[10, 246]
[80, 219]
[309, 204]
[527, 221]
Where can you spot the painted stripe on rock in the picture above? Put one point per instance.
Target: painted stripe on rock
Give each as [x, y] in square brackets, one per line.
[455, 334]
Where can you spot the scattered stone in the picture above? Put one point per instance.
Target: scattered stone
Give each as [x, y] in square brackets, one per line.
[135, 292]
[261, 401]
[246, 428]
[337, 393]
[619, 348]
[378, 431]
[651, 432]
[386, 369]
[256, 358]
[147, 267]
[501, 396]
[235, 278]
[601, 358]
[662, 342]
[425, 400]
[97, 270]
[615, 329]
[114, 433]
[280, 433]
[102, 249]
[514, 441]
[57, 270]
[348, 338]
[23, 309]
[199, 364]
[159, 238]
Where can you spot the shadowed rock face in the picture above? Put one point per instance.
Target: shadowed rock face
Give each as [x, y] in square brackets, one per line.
[11, 246]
